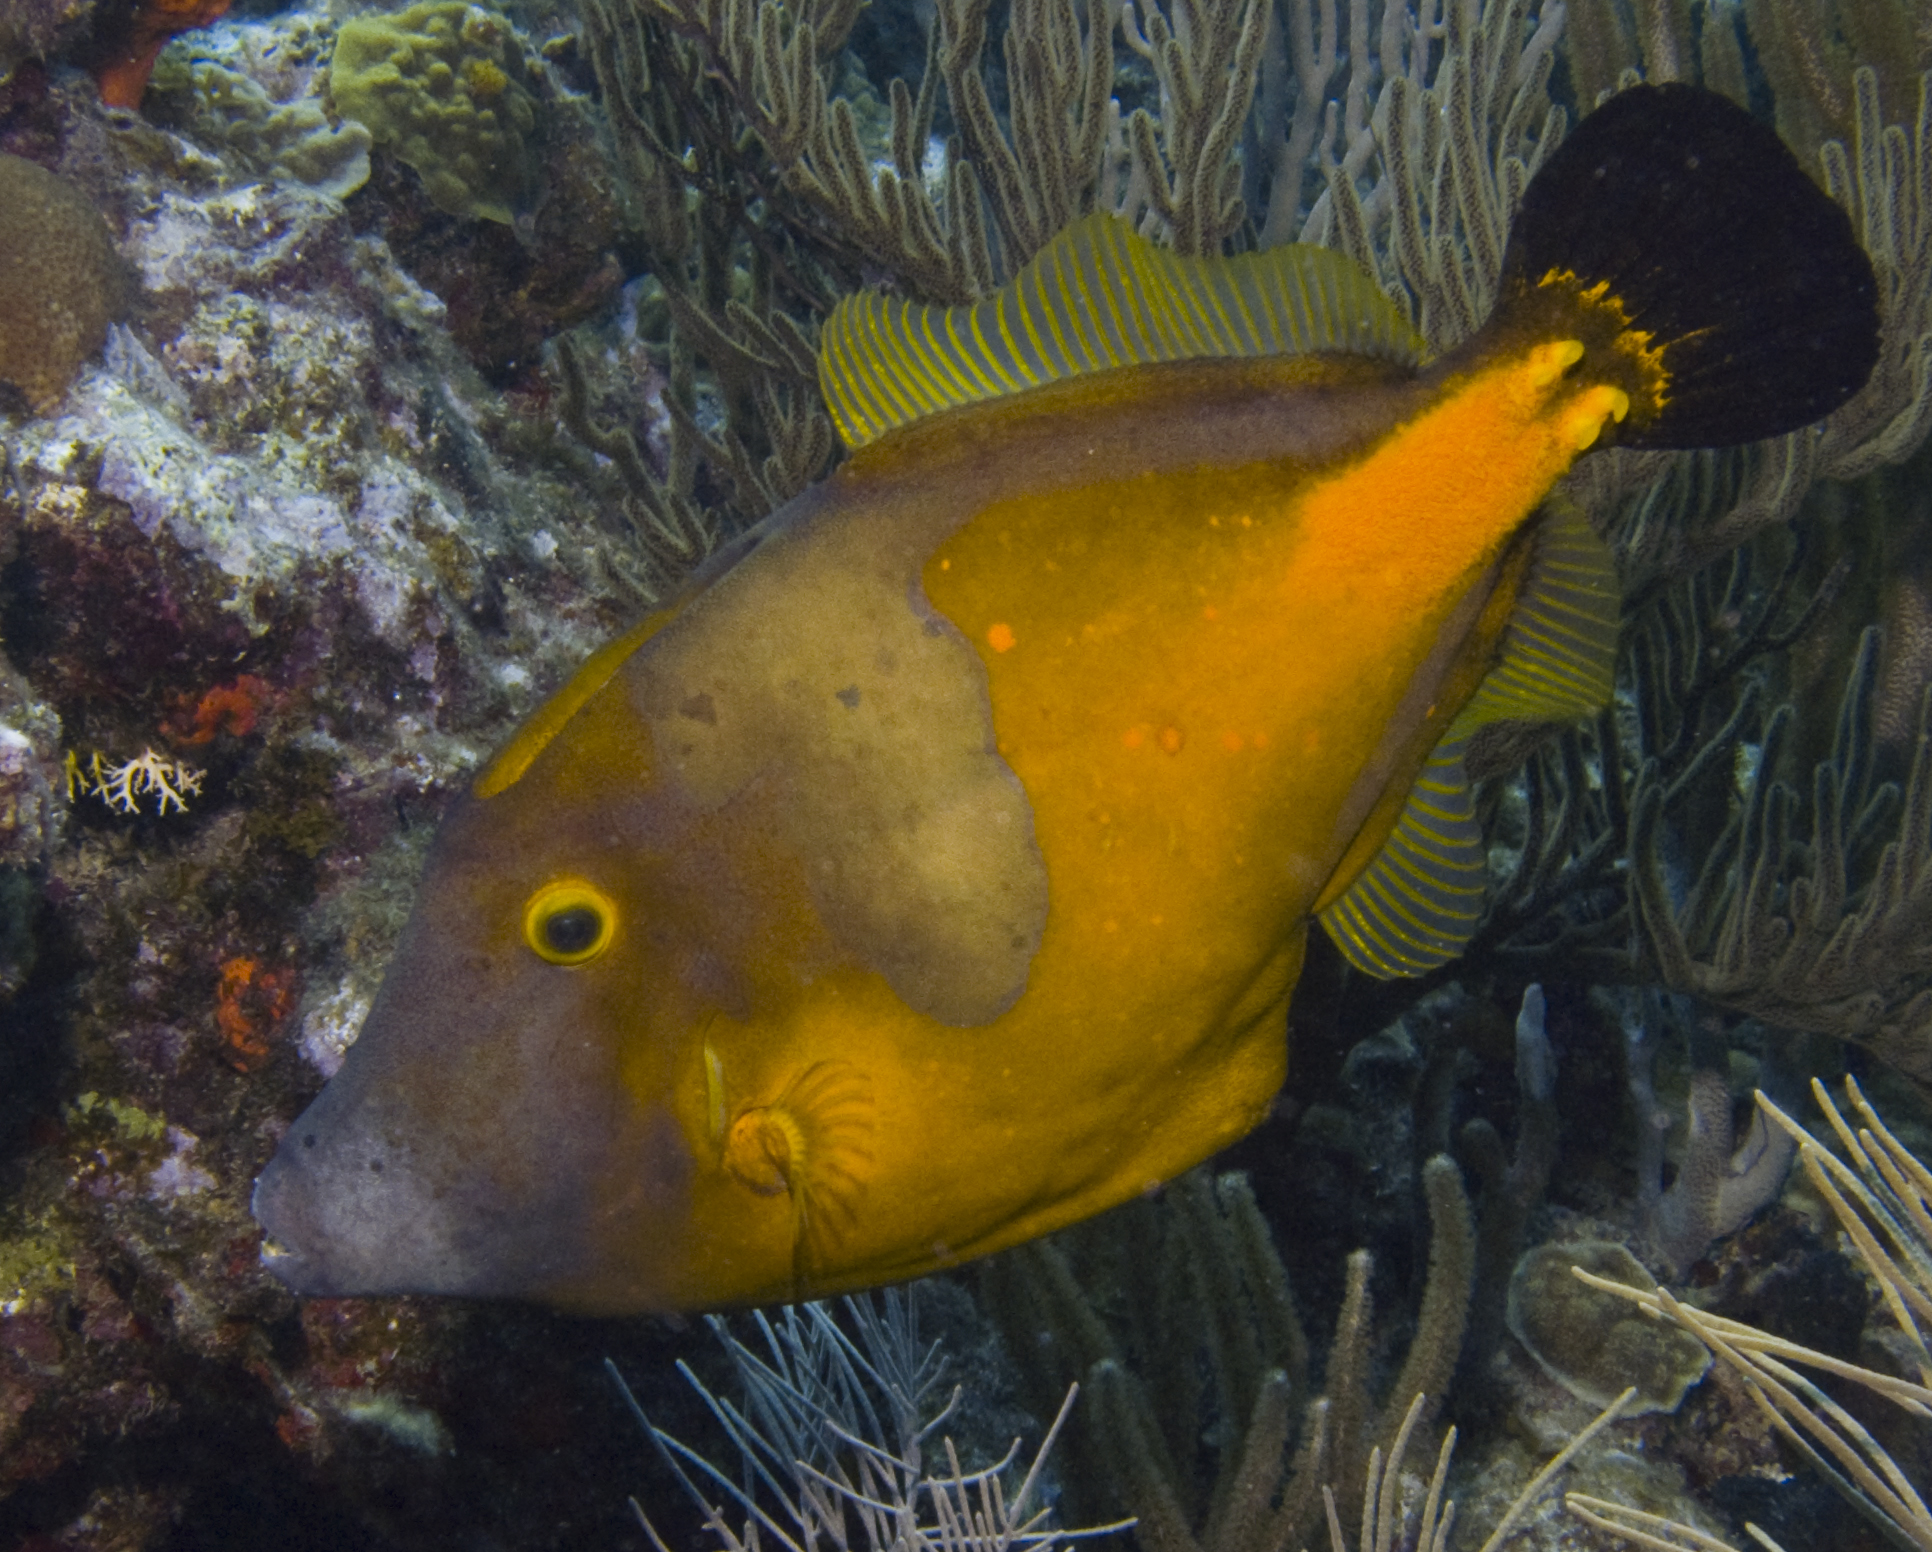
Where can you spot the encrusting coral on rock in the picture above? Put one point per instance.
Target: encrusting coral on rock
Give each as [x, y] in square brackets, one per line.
[294, 140]
[446, 84]
[61, 278]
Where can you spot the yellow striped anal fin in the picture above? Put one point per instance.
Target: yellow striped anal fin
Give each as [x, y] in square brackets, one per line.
[1097, 296]
[1418, 903]
[1559, 651]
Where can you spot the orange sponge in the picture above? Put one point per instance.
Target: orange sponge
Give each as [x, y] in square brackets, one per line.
[125, 63]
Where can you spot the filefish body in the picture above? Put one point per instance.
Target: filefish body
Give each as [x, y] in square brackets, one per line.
[935, 872]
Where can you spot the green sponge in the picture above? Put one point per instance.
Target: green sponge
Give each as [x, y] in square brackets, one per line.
[439, 85]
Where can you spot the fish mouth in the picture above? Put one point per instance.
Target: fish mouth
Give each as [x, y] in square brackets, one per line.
[269, 1204]
[331, 1230]
[354, 1212]
[296, 1237]
[293, 1270]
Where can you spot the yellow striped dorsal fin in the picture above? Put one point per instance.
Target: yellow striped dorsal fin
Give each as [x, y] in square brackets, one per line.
[1418, 903]
[1098, 296]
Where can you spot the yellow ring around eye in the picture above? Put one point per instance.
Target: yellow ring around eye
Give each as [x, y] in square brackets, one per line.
[569, 921]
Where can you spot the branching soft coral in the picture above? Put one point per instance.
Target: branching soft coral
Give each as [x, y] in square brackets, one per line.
[1825, 930]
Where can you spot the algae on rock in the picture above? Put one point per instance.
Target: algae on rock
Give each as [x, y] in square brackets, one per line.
[1587, 1341]
[291, 140]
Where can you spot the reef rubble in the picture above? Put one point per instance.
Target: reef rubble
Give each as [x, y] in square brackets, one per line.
[280, 566]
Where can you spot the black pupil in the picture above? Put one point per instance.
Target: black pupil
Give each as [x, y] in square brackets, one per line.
[572, 931]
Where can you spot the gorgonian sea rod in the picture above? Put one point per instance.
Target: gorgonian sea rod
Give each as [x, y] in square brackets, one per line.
[935, 870]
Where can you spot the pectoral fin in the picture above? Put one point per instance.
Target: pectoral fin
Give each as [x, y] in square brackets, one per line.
[813, 1144]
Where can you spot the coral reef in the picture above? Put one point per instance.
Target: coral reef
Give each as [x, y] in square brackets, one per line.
[62, 278]
[446, 85]
[129, 43]
[281, 536]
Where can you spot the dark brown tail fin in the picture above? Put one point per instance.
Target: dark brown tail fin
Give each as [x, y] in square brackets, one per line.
[1678, 233]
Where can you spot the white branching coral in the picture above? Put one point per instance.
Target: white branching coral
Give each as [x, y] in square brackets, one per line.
[837, 1430]
[122, 787]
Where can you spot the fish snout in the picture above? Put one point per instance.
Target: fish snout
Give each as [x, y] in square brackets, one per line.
[291, 1235]
[340, 1222]
[366, 1197]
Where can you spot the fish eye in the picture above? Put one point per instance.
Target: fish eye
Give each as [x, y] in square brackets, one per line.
[569, 921]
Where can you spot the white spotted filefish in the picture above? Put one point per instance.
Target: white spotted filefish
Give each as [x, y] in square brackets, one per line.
[935, 870]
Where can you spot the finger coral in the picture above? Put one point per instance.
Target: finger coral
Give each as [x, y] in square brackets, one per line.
[61, 277]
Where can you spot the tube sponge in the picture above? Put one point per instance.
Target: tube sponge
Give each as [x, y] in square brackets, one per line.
[60, 277]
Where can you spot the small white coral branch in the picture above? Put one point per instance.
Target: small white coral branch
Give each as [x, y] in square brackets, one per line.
[121, 787]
